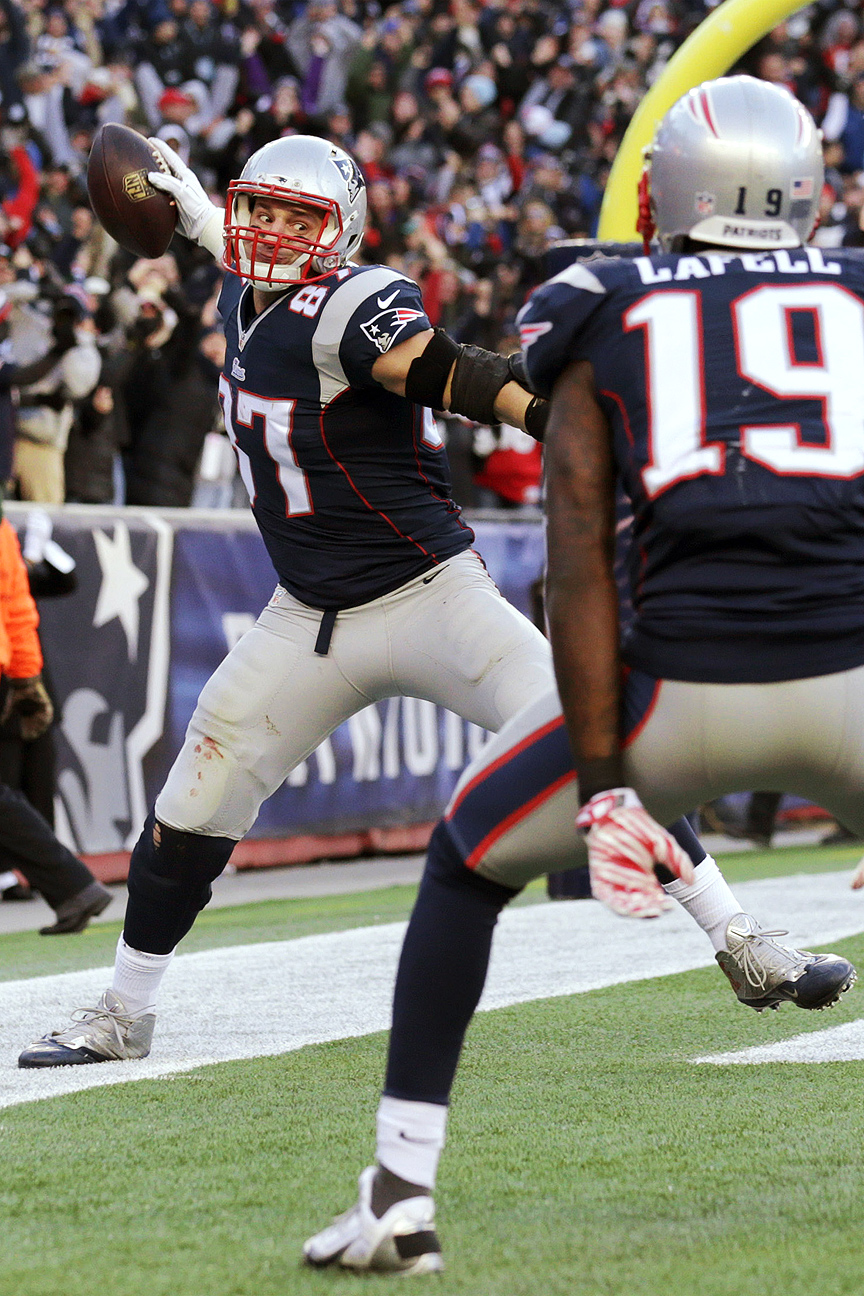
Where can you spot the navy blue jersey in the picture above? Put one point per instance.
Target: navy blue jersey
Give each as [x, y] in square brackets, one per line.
[734, 390]
[349, 483]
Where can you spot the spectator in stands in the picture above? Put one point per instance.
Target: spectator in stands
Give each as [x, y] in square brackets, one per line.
[14, 50]
[20, 377]
[45, 417]
[844, 122]
[158, 67]
[19, 183]
[170, 397]
[210, 53]
[321, 42]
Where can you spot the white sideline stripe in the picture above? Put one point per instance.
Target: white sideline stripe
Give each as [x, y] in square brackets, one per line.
[839, 1044]
[266, 999]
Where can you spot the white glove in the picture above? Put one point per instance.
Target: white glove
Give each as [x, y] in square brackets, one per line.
[624, 843]
[200, 219]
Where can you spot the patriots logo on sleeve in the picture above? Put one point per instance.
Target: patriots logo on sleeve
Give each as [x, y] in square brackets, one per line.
[529, 333]
[384, 328]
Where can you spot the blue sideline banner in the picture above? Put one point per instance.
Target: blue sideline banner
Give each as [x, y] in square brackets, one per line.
[162, 597]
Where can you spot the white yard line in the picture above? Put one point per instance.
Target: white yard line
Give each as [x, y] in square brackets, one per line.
[837, 1044]
[266, 999]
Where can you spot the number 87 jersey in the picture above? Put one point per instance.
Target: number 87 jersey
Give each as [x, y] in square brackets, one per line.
[733, 385]
[349, 483]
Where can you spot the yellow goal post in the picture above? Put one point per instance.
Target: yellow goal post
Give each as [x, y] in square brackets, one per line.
[709, 51]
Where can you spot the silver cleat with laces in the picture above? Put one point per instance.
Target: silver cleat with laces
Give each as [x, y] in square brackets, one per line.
[106, 1033]
[765, 974]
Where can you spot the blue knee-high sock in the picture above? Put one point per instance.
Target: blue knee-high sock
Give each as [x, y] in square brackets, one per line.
[441, 974]
[169, 884]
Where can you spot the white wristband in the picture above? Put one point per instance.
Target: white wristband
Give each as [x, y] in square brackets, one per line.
[211, 236]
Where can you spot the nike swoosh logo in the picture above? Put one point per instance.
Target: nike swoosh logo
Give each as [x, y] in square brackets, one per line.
[422, 1142]
[387, 300]
[427, 579]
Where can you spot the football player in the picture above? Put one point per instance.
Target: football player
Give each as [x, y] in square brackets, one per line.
[720, 381]
[331, 374]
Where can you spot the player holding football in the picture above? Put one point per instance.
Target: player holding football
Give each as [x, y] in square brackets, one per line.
[331, 373]
[720, 381]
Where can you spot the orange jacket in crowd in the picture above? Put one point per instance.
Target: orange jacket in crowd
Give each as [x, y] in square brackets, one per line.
[20, 654]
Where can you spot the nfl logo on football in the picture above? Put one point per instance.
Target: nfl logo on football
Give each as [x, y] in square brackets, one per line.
[704, 204]
[136, 186]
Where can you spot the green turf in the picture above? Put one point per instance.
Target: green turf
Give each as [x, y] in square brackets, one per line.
[25, 954]
[587, 1157]
[742, 866]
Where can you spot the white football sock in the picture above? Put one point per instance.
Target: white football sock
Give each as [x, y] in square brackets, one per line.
[410, 1139]
[708, 901]
[137, 976]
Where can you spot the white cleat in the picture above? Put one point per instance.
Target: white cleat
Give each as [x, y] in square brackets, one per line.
[402, 1241]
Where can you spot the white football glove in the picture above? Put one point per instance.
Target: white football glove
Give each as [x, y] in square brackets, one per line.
[624, 843]
[200, 219]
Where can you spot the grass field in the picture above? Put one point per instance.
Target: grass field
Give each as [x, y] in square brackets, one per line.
[587, 1154]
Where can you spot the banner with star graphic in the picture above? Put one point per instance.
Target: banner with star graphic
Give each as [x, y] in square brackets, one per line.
[107, 653]
[161, 599]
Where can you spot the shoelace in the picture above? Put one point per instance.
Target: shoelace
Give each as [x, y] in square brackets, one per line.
[101, 1015]
[755, 970]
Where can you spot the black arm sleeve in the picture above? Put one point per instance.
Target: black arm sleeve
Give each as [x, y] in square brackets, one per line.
[428, 374]
[478, 377]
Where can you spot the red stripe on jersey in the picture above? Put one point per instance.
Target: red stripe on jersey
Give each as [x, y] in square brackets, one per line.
[362, 497]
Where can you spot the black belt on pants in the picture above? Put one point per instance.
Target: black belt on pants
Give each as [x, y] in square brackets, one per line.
[325, 631]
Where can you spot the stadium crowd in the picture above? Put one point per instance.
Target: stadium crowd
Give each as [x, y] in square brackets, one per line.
[485, 133]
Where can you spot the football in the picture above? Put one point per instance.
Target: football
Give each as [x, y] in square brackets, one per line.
[140, 218]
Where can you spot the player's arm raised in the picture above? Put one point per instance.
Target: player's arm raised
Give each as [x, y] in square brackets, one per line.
[431, 369]
[624, 842]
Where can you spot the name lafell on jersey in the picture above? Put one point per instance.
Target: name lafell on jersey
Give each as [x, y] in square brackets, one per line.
[798, 261]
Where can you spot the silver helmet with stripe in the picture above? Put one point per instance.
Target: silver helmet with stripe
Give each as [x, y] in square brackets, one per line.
[301, 171]
[736, 162]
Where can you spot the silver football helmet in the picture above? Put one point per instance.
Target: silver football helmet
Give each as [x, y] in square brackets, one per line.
[304, 171]
[737, 163]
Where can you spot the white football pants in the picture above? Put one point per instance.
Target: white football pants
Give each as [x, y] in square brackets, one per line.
[512, 812]
[448, 636]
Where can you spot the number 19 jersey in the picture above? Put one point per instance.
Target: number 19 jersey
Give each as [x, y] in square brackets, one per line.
[349, 483]
[733, 385]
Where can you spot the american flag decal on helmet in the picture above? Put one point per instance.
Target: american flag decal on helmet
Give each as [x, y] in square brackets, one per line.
[802, 188]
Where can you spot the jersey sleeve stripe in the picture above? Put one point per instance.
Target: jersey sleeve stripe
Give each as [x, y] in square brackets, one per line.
[335, 314]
